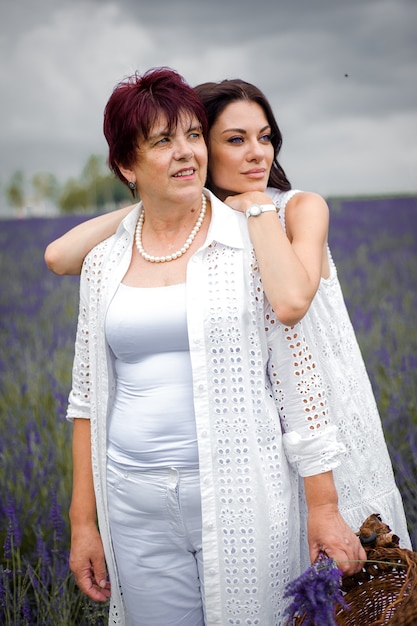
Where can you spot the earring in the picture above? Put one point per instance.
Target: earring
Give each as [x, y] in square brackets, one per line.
[131, 185]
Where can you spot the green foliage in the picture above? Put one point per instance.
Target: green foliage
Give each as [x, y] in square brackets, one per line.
[15, 191]
[45, 186]
[74, 197]
[44, 588]
[94, 190]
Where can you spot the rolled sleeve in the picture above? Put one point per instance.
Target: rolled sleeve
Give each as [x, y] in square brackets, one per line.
[316, 454]
[310, 439]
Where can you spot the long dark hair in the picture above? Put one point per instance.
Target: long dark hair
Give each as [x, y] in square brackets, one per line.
[216, 97]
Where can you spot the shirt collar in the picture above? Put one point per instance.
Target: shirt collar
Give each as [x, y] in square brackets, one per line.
[129, 222]
[226, 223]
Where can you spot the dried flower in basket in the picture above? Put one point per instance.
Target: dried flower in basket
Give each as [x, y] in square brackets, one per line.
[316, 593]
[383, 592]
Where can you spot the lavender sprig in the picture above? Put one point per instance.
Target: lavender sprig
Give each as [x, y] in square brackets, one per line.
[316, 593]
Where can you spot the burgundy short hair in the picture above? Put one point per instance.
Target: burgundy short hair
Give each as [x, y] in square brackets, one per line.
[134, 107]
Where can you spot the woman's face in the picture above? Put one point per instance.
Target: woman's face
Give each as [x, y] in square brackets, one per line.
[240, 149]
[171, 166]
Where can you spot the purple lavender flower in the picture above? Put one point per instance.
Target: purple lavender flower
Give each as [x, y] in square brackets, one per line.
[316, 593]
[3, 590]
[57, 520]
[13, 537]
[26, 612]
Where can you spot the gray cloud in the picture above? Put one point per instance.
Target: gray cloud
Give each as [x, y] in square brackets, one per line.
[342, 134]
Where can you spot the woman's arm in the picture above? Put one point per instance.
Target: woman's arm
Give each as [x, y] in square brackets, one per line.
[309, 437]
[327, 530]
[87, 555]
[291, 263]
[66, 254]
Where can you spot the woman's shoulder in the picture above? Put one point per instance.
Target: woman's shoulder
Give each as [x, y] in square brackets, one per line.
[308, 205]
[295, 197]
[302, 204]
[281, 198]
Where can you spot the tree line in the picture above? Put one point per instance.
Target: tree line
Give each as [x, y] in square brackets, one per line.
[96, 189]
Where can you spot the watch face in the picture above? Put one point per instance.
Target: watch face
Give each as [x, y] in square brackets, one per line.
[255, 209]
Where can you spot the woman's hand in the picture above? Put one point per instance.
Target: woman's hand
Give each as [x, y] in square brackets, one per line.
[87, 563]
[328, 531]
[242, 201]
[290, 269]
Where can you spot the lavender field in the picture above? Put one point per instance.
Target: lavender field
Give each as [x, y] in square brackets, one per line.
[374, 244]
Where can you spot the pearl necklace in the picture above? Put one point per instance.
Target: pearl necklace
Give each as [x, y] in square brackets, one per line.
[181, 251]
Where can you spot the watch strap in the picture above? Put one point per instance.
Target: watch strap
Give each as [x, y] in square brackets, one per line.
[261, 208]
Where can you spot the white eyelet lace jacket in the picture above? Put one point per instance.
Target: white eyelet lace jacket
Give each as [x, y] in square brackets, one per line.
[364, 479]
[260, 406]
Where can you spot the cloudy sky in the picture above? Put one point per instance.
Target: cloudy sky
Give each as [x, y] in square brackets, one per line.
[341, 77]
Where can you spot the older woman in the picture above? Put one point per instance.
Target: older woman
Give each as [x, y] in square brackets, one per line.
[191, 403]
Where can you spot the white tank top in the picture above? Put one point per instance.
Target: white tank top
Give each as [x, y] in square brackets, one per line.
[152, 421]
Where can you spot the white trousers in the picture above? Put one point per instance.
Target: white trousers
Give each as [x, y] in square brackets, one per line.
[155, 522]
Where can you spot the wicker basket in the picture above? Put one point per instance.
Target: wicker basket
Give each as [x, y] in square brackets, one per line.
[385, 590]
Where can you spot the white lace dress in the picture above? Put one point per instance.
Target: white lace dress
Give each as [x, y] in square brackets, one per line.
[365, 479]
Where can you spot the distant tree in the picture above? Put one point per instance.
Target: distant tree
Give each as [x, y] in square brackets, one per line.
[15, 192]
[74, 197]
[103, 189]
[91, 175]
[94, 168]
[97, 189]
[111, 192]
[45, 187]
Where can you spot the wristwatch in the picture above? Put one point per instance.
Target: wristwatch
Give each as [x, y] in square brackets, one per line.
[256, 209]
